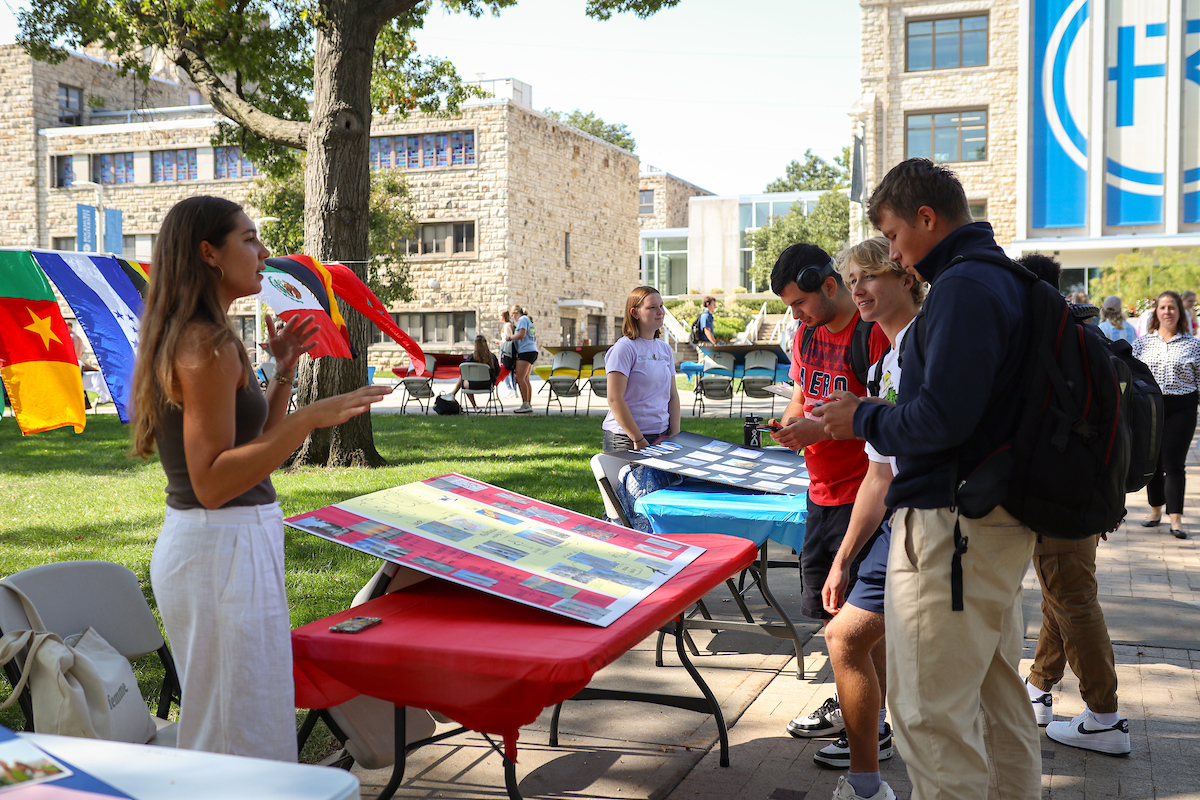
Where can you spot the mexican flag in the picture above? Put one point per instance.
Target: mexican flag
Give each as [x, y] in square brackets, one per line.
[37, 358]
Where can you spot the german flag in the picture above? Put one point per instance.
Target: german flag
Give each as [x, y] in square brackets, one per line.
[37, 358]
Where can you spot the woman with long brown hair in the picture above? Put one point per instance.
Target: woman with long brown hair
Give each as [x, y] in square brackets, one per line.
[643, 403]
[217, 569]
[1173, 355]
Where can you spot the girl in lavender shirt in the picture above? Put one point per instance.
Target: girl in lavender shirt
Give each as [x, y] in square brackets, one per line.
[643, 404]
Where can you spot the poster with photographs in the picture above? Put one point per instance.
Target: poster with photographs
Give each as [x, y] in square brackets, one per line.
[23, 765]
[505, 544]
[775, 471]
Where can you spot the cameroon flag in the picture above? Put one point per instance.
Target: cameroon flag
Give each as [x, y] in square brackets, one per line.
[37, 358]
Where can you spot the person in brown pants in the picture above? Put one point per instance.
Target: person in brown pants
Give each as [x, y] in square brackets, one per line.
[1074, 632]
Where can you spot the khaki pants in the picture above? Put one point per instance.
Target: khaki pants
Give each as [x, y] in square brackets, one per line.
[962, 718]
[1073, 626]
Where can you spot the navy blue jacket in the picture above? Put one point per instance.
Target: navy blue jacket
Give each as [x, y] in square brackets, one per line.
[966, 376]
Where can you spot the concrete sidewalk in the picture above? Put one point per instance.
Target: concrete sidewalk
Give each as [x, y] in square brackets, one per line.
[1150, 590]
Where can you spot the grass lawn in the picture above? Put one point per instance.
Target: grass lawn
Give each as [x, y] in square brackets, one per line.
[66, 497]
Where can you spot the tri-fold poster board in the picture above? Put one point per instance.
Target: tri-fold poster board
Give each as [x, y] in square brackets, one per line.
[496, 541]
[776, 471]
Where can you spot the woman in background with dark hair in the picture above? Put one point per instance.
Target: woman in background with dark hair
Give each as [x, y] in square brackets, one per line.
[217, 569]
[1173, 356]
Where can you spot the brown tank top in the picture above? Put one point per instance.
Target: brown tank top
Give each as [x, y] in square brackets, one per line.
[250, 413]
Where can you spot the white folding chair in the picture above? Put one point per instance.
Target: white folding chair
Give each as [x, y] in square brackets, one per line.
[598, 381]
[419, 388]
[759, 373]
[715, 381]
[473, 371]
[73, 595]
[563, 380]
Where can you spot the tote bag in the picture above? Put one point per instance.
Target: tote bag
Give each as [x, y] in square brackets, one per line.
[81, 686]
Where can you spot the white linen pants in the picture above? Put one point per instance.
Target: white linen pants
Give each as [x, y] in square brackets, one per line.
[218, 578]
[962, 717]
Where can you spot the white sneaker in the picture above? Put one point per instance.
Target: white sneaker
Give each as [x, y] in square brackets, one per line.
[1043, 705]
[524, 408]
[1085, 732]
[825, 721]
[845, 791]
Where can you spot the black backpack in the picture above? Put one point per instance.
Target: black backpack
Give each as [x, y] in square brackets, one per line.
[1064, 475]
[697, 335]
[446, 405]
[1145, 418]
[860, 347]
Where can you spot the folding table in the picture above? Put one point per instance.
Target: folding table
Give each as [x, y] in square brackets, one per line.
[494, 665]
[697, 506]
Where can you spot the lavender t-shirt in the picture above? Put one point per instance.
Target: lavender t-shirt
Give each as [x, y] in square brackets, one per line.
[650, 369]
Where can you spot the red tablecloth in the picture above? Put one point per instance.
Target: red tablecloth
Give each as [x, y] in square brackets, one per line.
[490, 664]
[446, 372]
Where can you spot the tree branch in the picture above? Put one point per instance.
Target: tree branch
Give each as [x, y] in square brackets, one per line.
[288, 133]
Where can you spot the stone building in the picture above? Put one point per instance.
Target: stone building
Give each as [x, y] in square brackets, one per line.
[1075, 127]
[512, 206]
[663, 199]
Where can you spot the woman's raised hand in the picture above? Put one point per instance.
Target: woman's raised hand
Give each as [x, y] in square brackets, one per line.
[339, 408]
[287, 344]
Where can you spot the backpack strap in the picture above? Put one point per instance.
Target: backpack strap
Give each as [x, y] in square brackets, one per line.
[860, 347]
[877, 377]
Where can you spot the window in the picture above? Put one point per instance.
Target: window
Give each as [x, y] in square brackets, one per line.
[451, 149]
[443, 327]
[63, 243]
[597, 331]
[62, 171]
[665, 265]
[70, 105]
[442, 238]
[244, 327]
[978, 210]
[948, 136]
[566, 332]
[567, 249]
[173, 165]
[947, 43]
[129, 245]
[646, 201]
[112, 168]
[228, 162]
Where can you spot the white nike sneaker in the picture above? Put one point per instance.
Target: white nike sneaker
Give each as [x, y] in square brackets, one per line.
[1085, 732]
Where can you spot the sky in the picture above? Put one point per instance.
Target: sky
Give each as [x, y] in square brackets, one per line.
[721, 98]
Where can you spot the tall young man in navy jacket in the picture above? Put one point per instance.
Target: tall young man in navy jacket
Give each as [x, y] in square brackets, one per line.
[957, 697]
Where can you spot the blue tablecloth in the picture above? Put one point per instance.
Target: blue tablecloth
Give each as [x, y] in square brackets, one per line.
[703, 507]
[694, 368]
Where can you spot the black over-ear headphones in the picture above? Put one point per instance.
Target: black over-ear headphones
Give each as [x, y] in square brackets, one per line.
[811, 277]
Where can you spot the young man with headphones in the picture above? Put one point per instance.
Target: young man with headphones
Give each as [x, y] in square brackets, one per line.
[806, 279]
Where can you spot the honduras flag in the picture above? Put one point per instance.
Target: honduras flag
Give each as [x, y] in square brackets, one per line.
[107, 307]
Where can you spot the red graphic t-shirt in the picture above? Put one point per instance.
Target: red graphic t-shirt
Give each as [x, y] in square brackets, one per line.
[835, 468]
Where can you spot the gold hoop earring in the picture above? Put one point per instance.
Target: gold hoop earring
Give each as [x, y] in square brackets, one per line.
[220, 272]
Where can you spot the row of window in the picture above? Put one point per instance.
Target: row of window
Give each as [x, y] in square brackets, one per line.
[112, 169]
[440, 327]
[449, 149]
[442, 238]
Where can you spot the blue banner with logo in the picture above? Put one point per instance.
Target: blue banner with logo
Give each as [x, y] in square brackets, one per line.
[1191, 113]
[1061, 108]
[114, 237]
[85, 228]
[1135, 112]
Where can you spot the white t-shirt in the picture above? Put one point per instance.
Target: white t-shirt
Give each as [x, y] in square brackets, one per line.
[650, 369]
[889, 388]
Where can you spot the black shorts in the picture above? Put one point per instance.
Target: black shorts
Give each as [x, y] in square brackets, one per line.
[530, 356]
[824, 529]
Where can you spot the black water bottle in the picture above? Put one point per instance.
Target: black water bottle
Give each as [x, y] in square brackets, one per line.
[750, 433]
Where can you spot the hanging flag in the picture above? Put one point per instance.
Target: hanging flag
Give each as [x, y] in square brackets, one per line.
[108, 308]
[319, 281]
[351, 288]
[289, 297]
[138, 273]
[37, 359]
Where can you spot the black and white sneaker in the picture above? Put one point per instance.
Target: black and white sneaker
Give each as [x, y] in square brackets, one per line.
[837, 755]
[825, 721]
[1043, 705]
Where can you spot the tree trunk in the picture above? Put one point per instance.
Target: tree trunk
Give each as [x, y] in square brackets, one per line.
[337, 186]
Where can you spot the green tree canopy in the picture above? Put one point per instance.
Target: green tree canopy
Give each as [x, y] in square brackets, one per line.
[1139, 277]
[828, 227]
[615, 133]
[815, 174]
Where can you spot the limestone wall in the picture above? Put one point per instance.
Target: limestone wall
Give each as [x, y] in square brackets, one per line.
[889, 93]
[670, 199]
